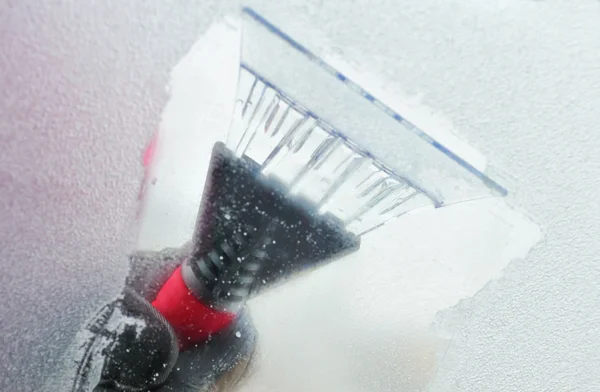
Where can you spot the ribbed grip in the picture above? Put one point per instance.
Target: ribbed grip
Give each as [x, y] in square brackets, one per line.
[226, 274]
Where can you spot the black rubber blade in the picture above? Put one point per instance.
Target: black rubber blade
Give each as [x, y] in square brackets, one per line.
[251, 234]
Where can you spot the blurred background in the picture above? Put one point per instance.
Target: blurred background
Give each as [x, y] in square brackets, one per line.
[454, 300]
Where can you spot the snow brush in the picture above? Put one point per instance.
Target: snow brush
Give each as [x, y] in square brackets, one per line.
[300, 178]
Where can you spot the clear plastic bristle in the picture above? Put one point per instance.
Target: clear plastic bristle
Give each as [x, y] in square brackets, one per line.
[315, 162]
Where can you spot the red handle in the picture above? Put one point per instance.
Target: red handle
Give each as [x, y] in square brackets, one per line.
[192, 320]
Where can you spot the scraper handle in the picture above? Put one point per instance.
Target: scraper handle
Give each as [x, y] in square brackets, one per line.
[193, 320]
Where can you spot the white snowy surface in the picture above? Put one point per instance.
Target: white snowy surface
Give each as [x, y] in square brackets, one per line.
[83, 87]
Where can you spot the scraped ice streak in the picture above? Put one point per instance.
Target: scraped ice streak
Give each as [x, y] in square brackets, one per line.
[365, 323]
[202, 97]
[314, 161]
